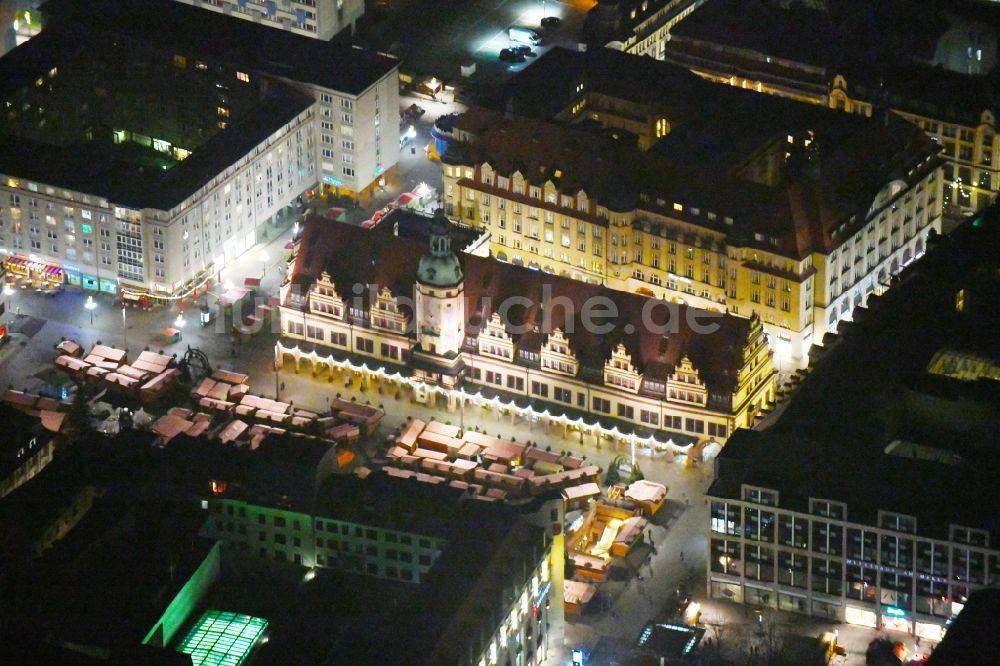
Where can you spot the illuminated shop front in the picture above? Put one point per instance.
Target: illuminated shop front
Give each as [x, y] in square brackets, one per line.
[895, 619]
[860, 617]
[91, 282]
[30, 271]
[929, 630]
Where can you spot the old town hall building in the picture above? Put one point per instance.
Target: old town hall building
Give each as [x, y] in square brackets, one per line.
[483, 332]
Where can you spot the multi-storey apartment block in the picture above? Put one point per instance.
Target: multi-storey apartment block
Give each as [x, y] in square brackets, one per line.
[871, 498]
[134, 163]
[792, 212]
[478, 328]
[321, 19]
[940, 82]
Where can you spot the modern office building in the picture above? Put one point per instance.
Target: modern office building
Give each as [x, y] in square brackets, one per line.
[870, 497]
[474, 328]
[476, 582]
[652, 180]
[937, 69]
[321, 19]
[142, 159]
[119, 567]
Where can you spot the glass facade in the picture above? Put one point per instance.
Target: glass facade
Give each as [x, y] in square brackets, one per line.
[222, 638]
[821, 564]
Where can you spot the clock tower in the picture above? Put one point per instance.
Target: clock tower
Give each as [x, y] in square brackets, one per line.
[440, 304]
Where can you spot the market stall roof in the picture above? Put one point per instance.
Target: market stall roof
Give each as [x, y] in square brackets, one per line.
[646, 491]
[581, 491]
[110, 353]
[232, 296]
[69, 347]
[232, 431]
[578, 592]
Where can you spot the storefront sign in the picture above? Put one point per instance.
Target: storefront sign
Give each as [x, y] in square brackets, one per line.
[860, 617]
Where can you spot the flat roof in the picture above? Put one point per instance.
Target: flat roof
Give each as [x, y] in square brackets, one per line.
[194, 32]
[870, 388]
[92, 90]
[220, 637]
[485, 549]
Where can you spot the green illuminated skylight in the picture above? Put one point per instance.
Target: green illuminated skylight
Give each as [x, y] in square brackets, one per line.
[223, 639]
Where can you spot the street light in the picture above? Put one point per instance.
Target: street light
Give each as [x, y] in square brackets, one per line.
[8, 291]
[180, 321]
[263, 260]
[90, 305]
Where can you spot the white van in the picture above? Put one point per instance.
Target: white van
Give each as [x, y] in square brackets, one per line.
[524, 36]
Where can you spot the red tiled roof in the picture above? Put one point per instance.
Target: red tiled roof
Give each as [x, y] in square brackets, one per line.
[357, 256]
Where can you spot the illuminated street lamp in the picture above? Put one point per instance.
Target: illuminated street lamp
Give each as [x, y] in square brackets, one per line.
[8, 291]
[263, 260]
[90, 305]
[180, 321]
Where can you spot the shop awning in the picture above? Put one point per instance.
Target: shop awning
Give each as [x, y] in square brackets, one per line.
[251, 282]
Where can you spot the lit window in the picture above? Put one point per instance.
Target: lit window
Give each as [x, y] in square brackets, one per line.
[960, 301]
[243, 76]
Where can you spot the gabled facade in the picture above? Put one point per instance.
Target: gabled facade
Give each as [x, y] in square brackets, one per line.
[634, 375]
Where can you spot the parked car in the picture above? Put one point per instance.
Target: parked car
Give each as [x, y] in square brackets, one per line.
[551, 22]
[510, 55]
[416, 111]
[524, 50]
[520, 35]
